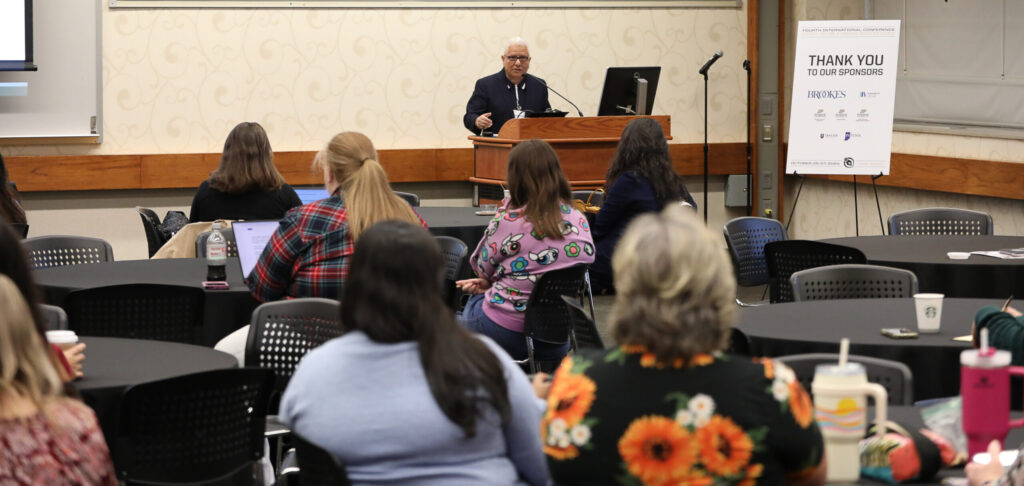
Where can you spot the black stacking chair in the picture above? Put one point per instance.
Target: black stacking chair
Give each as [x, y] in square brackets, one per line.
[280, 335]
[583, 332]
[140, 311]
[786, 257]
[454, 251]
[315, 466]
[229, 238]
[198, 428]
[593, 197]
[151, 225]
[409, 197]
[746, 238]
[20, 229]
[740, 344]
[853, 282]
[59, 251]
[940, 221]
[56, 318]
[548, 318]
[894, 376]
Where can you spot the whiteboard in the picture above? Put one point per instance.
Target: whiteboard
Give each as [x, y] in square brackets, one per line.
[63, 98]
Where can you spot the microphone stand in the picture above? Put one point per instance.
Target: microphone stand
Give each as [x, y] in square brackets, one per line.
[705, 73]
[750, 189]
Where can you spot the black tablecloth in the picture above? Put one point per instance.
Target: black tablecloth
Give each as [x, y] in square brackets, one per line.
[113, 364]
[224, 311]
[817, 327]
[979, 276]
[457, 222]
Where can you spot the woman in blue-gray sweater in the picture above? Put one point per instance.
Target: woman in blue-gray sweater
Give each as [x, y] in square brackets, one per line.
[407, 396]
[640, 180]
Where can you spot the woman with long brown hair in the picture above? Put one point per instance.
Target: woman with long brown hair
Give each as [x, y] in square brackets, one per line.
[406, 396]
[10, 201]
[308, 254]
[246, 185]
[640, 180]
[45, 437]
[536, 232]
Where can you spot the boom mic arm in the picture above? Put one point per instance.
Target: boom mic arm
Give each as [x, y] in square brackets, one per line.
[578, 112]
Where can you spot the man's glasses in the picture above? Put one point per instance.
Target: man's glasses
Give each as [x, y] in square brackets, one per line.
[514, 59]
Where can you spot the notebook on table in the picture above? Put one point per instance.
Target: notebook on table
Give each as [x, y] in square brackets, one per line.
[251, 237]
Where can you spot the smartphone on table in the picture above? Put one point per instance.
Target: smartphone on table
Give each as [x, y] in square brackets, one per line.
[899, 333]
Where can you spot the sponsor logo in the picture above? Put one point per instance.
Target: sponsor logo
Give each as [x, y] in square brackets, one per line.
[819, 115]
[863, 115]
[828, 135]
[848, 162]
[841, 114]
[826, 94]
[869, 94]
[849, 135]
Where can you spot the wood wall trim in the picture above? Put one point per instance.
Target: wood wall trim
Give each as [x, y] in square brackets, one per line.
[949, 174]
[753, 35]
[173, 171]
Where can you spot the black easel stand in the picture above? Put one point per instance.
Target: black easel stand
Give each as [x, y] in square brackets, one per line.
[856, 217]
[877, 204]
[792, 211]
[750, 190]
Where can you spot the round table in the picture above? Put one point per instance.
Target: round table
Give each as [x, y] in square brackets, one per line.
[817, 326]
[223, 312]
[113, 364]
[455, 221]
[978, 276]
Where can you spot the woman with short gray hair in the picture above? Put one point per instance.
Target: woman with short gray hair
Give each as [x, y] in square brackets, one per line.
[667, 405]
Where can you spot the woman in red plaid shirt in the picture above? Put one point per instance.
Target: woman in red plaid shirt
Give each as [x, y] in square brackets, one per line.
[308, 255]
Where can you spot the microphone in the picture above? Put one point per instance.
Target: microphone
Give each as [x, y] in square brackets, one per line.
[580, 113]
[707, 65]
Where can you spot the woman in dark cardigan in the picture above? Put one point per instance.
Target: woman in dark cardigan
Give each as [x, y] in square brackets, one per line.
[246, 185]
[640, 180]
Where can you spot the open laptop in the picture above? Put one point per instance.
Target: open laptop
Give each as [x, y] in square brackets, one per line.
[251, 237]
[311, 194]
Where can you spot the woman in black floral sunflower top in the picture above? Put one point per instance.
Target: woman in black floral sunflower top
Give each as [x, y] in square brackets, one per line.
[667, 406]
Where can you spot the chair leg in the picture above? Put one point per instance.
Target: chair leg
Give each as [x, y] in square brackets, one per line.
[529, 356]
[590, 295]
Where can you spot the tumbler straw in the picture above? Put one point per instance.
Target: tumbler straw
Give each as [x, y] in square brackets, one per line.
[844, 351]
[983, 340]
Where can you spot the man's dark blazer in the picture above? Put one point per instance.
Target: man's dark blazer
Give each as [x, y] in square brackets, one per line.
[493, 94]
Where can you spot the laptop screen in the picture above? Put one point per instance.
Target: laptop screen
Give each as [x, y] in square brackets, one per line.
[251, 237]
[310, 195]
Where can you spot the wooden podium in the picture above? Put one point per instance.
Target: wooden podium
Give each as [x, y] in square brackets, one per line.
[585, 146]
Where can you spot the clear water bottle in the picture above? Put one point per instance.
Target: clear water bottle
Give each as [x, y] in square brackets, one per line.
[216, 255]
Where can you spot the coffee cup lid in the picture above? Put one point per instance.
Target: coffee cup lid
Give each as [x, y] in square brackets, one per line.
[61, 336]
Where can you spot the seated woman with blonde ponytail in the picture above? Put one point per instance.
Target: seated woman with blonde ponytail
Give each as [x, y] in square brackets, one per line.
[308, 255]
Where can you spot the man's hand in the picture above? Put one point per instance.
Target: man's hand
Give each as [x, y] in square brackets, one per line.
[474, 285]
[484, 121]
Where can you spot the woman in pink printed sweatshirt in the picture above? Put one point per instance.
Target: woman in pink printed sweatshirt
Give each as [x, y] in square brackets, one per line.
[536, 232]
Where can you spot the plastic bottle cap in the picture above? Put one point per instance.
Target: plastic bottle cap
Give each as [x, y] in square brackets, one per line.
[216, 225]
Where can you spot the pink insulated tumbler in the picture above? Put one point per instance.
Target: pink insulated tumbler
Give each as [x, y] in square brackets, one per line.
[985, 391]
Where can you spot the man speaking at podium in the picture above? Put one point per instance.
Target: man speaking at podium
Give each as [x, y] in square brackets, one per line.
[509, 93]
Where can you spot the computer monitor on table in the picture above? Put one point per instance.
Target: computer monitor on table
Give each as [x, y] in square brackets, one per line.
[629, 91]
[251, 238]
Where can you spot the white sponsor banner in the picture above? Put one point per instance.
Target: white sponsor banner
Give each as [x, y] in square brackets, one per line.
[844, 83]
